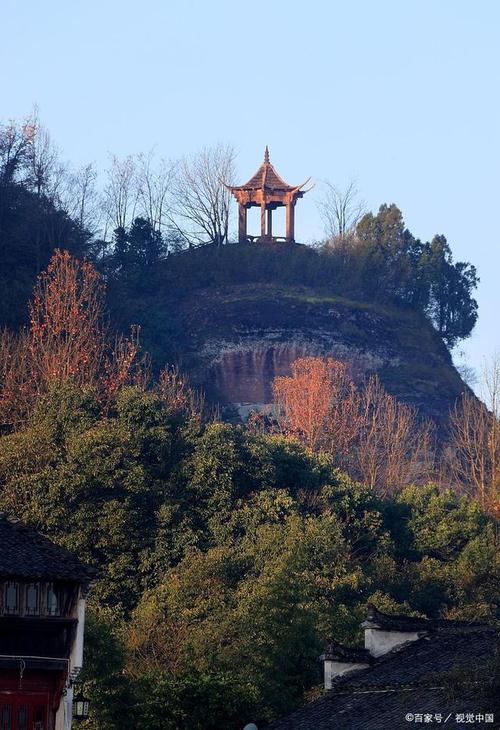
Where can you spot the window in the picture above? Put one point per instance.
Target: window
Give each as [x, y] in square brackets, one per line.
[53, 600]
[11, 597]
[23, 710]
[32, 595]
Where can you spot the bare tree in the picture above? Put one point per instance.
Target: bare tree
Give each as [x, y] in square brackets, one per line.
[154, 182]
[46, 172]
[177, 395]
[80, 198]
[466, 371]
[474, 453]
[201, 200]
[14, 141]
[120, 192]
[340, 210]
[28, 156]
[377, 439]
[393, 448]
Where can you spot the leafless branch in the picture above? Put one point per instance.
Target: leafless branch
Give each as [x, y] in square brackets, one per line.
[340, 210]
[201, 202]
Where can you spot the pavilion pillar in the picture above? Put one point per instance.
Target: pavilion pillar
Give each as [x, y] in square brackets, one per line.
[242, 223]
[290, 222]
[263, 219]
[269, 222]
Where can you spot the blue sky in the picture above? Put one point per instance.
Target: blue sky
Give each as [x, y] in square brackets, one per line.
[402, 96]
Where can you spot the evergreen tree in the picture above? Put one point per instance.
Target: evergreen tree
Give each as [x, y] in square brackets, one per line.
[396, 265]
[451, 306]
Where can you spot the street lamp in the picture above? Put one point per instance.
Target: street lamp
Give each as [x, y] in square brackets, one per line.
[80, 706]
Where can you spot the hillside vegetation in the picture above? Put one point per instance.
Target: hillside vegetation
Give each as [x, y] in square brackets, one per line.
[147, 212]
[226, 554]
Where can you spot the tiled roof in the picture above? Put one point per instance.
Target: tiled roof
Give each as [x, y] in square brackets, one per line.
[421, 660]
[401, 682]
[24, 553]
[385, 711]
[265, 177]
[412, 623]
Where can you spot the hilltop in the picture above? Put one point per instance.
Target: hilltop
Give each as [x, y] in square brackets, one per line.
[234, 317]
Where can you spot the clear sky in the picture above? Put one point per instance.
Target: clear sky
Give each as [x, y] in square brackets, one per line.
[401, 95]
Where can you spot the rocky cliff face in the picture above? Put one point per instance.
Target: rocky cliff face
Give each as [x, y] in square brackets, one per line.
[240, 337]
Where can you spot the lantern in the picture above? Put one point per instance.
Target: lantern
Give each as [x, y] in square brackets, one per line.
[80, 706]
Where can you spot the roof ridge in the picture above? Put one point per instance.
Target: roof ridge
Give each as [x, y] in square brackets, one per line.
[334, 649]
[376, 616]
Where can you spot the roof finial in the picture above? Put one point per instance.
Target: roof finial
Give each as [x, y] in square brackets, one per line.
[266, 156]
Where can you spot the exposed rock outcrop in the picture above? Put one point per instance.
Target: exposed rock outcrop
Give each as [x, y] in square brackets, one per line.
[240, 337]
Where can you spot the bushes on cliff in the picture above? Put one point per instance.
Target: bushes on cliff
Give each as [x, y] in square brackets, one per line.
[380, 262]
[389, 257]
[385, 261]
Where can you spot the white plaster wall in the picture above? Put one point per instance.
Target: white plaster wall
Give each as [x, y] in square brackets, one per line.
[64, 713]
[76, 656]
[379, 642]
[336, 669]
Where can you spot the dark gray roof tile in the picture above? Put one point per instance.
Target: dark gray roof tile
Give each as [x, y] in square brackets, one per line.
[24, 553]
[406, 680]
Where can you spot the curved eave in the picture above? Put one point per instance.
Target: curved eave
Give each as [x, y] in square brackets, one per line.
[245, 189]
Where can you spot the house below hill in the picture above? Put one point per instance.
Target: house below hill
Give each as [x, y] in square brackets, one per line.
[42, 613]
[411, 672]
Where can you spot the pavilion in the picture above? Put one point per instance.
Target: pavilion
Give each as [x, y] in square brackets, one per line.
[267, 190]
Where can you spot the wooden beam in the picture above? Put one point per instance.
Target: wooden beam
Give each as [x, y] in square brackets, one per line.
[290, 222]
[242, 223]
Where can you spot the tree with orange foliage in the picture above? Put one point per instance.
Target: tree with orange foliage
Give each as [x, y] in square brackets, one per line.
[394, 447]
[178, 397]
[374, 437]
[304, 400]
[66, 342]
[474, 453]
[317, 403]
[66, 335]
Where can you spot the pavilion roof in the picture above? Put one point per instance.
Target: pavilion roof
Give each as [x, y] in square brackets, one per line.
[266, 177]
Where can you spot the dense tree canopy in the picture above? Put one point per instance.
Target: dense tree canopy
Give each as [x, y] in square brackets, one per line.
[227, 557]
[422, 275]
